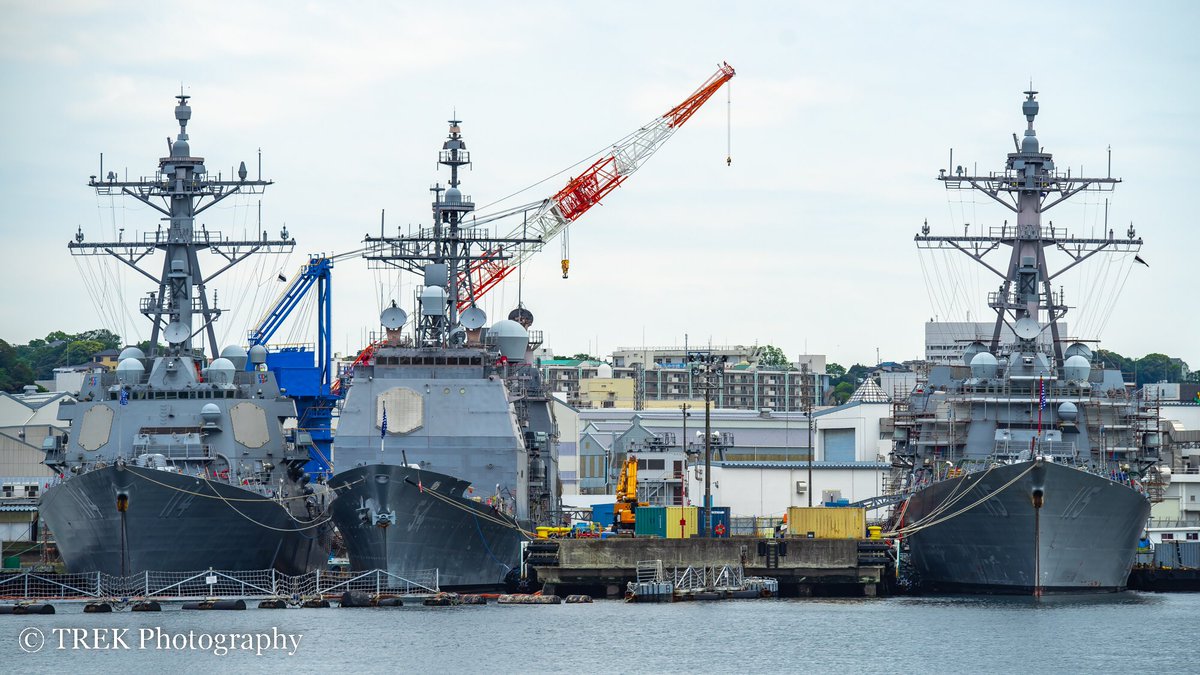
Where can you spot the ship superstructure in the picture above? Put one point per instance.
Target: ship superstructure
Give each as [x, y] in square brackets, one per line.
[177, 461]
[1030, 467]
[445, 451]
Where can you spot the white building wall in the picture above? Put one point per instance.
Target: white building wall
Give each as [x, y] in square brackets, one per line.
[864, 420]
[757, 491]
[567, 420]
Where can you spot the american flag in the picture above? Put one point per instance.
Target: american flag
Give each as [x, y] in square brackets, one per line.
[383, 424]
[1042, 398]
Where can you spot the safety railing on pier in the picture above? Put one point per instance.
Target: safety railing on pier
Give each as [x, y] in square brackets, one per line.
[168, 586]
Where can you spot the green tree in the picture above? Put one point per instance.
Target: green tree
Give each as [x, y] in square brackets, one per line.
[842, 392]
[835, 370]
[773, 357]
[14, 373]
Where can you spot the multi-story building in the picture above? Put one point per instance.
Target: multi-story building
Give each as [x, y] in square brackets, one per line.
[945, 341]
[663, 377]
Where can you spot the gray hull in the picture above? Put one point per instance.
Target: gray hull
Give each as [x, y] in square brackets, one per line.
[1082, 539]
[165, 528]
[430, 524]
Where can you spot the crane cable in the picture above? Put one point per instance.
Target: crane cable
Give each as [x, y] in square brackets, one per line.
[729, 123]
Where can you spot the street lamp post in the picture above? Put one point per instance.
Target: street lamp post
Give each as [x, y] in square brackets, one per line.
[710, 369]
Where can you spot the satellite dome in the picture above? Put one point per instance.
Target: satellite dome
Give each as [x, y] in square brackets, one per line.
[971, 350]
[180, 148]
[210, 413]
[511, 339]
[433, 301]
[983, 366]
[1079, 349]
[236, 356]
[604, 370]
[1067, 411]
[258, 355]
[453, 196]
[131, 353]
[1030, 144]
[1077, 369]
[221, 371]
[129, 371]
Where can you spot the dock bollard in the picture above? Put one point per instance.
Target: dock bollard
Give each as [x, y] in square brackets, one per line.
[27, 609]
[443, 599]
[216, 604]
[355, 599]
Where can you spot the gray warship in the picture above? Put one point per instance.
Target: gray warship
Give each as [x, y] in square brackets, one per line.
[445, 449]
[1029, 468]
[175, 462]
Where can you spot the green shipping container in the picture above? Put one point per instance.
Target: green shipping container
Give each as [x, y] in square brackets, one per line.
[651, 521]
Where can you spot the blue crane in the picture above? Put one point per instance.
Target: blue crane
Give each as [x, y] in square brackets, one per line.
[306, 379]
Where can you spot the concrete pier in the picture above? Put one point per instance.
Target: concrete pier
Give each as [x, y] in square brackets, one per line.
[804, 567]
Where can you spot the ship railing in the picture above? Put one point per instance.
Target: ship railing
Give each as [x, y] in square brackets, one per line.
[246, 584]
[41, 586]
[650, 570]
[687, 579]
[375, 582]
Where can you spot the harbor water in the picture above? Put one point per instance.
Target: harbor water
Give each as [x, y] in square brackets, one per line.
[1062, 634]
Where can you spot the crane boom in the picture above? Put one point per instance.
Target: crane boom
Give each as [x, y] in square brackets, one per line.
[585, 191]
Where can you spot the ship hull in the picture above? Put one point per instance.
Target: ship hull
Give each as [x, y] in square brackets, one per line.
[1083, 539]
[430, 524]
[175, 523]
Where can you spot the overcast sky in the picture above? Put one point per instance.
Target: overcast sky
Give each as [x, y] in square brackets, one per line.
[842, 114]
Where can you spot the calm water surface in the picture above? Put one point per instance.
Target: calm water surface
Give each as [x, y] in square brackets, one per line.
[1116, 633]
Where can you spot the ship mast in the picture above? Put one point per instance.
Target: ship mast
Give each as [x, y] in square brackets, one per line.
[443, 253]
[180, 308]
[1029, 186]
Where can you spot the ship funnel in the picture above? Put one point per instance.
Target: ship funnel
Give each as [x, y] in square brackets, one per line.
[511, 339]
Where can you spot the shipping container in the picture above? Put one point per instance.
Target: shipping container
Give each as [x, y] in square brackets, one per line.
[720, 521]
[650, 521]
[1189, 554]
[683, 522]
[827, 523]
[668, 522]
[1177, 554]
[603, 514]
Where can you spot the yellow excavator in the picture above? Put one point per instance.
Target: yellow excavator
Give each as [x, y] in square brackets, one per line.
[626, 505]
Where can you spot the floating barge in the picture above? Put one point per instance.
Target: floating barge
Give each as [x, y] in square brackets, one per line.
[802, 567]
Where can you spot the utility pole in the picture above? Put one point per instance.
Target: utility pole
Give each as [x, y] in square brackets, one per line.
[710, 370]
[806, 382]
[683, 444]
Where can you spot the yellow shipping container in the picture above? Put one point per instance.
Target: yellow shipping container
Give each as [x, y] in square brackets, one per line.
[691, 522]
[838, 522]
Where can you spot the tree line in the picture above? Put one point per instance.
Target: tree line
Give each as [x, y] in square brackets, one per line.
[20, 365]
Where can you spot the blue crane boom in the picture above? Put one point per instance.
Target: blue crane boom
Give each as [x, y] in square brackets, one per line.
[307, 380]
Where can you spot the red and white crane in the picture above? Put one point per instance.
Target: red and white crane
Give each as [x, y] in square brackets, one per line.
[553, 215]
